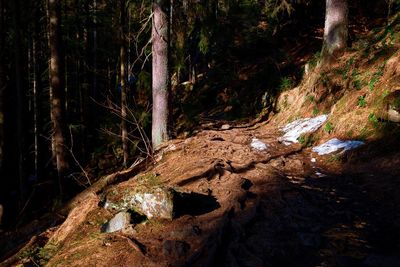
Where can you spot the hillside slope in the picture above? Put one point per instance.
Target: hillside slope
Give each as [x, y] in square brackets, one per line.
[245, 198]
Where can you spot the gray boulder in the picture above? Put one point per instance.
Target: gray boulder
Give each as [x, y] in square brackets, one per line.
[119, 222]
[153, 202]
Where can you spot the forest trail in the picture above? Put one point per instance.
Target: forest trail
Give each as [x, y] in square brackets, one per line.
[272, 205]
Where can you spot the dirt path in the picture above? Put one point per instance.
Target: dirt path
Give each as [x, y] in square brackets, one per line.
[246, 207]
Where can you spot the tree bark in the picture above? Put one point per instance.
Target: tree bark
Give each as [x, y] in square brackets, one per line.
[160, 75]
[2, 85]
[335, 32]
[123, 82]
[19, 102]
[57, 91]
[36, 87]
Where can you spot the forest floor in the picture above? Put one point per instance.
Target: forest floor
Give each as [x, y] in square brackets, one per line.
[275, 207]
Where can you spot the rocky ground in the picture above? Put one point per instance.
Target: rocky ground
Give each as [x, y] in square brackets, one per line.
[241, 204]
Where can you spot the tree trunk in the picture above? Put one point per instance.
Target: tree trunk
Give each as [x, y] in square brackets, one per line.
[57, 91]
[36, 87]
[335, 32]
[124, 79]
[2, 85]
[161, 79]
[19, 102]
[94, 84]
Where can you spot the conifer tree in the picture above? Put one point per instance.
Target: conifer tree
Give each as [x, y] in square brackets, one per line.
[57, 91]
[335, 32]
[161, 79]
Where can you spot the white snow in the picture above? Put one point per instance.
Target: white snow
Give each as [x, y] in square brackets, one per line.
[319, 174]
[258, 145]
[336, 144]
[296, 128]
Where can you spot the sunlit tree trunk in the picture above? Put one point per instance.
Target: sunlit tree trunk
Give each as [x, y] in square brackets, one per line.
[57, 93]
[161, 79]
[124, 79]
[335, 32]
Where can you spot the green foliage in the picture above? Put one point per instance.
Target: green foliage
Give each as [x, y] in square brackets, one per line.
[315, 59]
[285, 84]
[376, 76]
[328, 127]
[385, 93]
[345, 71]
[39, 255]
[335, 158]
[372, 83]
[306, 140]
[204, 42]
[310, 98]
[373, 119]
[357, 82]
[315, 111]
[361, 101]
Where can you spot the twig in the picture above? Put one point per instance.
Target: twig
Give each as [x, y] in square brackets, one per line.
[132, 244]
[75, 159]
[73, 156]
[143, 137]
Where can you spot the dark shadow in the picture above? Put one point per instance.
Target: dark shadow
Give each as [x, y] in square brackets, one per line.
[137, 218]
[217, 139]
[246, 184]
[194, 204]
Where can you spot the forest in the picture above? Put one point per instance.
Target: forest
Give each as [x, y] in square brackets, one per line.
[199, 133]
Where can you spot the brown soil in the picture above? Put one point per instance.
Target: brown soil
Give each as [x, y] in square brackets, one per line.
[268, 208]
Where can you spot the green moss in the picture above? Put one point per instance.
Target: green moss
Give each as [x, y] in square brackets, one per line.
[328, 127]
[149, 179]
[307, 140]
[315, 111]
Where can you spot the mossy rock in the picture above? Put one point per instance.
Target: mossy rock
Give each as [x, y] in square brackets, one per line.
[155, 202]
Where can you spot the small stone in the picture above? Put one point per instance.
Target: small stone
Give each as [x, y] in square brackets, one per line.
[225, 127]
[119, 222]
[313, 160]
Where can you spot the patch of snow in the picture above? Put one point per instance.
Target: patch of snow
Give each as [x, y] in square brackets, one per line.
[335, 144]
[296, 128]
[225, 127]
[258, 145]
